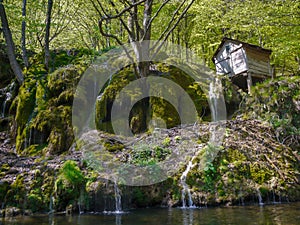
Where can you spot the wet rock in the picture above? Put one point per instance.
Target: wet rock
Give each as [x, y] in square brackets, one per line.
[12, 212]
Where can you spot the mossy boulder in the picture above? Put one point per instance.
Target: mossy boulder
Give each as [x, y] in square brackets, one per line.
[69, 185]
[151, 109]
[43, 110]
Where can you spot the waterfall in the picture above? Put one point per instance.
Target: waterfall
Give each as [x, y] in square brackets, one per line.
[51, 205]
[215, 97]
[8, 96]
[186, 190]
[81, 201]
[260, 200]
[30, 136]
[213, 101]
[274, 197]
[118, 201]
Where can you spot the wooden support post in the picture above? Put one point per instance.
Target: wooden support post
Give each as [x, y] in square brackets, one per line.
[249, 82]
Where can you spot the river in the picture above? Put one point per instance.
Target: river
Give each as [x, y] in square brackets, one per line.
[283, 214]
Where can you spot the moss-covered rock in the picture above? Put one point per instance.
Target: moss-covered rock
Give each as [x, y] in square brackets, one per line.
[69, 185]
[151, 109]
[43, 108]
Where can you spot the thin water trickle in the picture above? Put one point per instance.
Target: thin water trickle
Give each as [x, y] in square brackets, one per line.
[8, 96]
[274, 197]
[186, 190]
[118, 199]
[30, 137]
[215, 98]
[260, 200]
[51, 205]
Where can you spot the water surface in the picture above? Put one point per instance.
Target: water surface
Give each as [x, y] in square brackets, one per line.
[268, 214]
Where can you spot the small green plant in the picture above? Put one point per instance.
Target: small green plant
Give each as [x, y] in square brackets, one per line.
[177, 138]
[209, 175]
[166, 142]
[69, 184]
[144, 155]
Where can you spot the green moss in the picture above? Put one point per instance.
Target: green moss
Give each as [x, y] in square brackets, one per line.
[113, 147]
[34, 149]
[5, 167]
[16, 194]
[35, 200]
[108, 95]
[4, 187]
[69, 184]
[25, 107]
[161, 109]
[139, 198]
[43, 113]
[259, 173]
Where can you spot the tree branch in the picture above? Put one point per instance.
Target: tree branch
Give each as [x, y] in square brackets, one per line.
[173, 27]
[122, 21]
[171, 20]
[125, 10]
[154, 16]
[96, 8]
[114, 37]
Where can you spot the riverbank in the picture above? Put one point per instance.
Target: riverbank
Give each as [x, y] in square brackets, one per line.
[251, 167]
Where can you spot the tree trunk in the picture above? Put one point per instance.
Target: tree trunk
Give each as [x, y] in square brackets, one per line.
[47, 33]
[24, 51]
[10, 45]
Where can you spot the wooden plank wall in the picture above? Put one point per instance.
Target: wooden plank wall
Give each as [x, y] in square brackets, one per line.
[258, 63]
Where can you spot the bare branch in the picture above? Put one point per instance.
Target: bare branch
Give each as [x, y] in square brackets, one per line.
[102, 8]
[154, 16]
[171, 20]
[125, 10]
[173, 27]
[60, 29]
[126, 27]
[136, 22]
[122, 21]
[94, 5]
[179, 19]
[146, 19]
[114, 37]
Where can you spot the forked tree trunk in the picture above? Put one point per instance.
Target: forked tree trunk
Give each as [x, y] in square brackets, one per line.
[10, 45]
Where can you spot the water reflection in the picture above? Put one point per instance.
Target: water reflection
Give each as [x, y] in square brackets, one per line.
[118, 219]
[51, 220]
[170, 215]
[187, 216]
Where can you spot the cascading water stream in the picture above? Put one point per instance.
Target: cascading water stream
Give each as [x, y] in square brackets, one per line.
[260, 200]
[216, 98]
[118, 200]
[8, 96]
[186, 190]
[51, 205]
